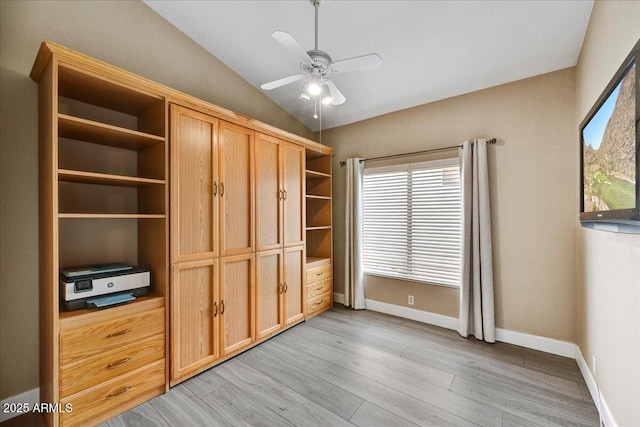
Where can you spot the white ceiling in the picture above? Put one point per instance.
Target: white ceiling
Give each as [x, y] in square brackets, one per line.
[431, 49]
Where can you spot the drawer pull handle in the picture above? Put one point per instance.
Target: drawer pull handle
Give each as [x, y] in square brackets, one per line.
[119, 392]
[320, 288]
[319, 274]
[320, 302]
[117, 334]
[119, 362]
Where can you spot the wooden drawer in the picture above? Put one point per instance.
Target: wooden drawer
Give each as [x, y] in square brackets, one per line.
[315, 289]
[317, 274]
[88, 372]
[114, 397]
[319, 303]
[91, 340]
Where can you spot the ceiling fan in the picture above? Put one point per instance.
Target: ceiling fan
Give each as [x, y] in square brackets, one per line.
[316, 64]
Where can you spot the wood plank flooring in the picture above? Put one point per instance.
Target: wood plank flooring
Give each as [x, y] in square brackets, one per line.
[362, 368]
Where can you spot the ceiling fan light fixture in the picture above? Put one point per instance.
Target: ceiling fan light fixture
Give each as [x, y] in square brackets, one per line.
[326, 97]
[314, 87]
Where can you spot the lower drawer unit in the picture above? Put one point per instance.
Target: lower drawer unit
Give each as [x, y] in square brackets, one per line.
[113, 397]
[321, 302]
[94, 339]
[318, 288]
[88, 372]
[318, 274]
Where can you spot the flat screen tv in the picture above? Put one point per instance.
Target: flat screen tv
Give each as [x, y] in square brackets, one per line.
[610, 154]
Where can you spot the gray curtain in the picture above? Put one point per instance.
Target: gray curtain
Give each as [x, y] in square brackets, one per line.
[476, 291]
[353, 276]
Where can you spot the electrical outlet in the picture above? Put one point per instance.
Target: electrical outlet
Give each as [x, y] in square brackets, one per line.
[410, 299]
[594, 365]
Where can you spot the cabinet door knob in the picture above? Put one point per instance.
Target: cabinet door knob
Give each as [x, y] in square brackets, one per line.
[285, 286]
[285, 194]
[221, 189]
[222, 307]
[215, 309]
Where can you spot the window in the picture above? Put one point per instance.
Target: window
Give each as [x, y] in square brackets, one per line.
[411, 222]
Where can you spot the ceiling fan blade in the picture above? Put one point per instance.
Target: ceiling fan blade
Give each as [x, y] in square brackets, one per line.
[358, 63]
[288, 42]
[281, 82]
[338, 97]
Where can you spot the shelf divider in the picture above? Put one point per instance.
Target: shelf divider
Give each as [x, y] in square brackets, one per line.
[67, 175]
[110, 216]
[104, 134]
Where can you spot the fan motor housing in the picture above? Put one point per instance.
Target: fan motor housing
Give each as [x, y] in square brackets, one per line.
[320, 60]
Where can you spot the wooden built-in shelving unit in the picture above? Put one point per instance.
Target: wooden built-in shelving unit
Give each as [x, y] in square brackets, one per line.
[319, 232]
[104, 198]
[248, 253]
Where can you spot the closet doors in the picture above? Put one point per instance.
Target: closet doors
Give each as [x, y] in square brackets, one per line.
[194, 242]
[280, 234]
[236, 190]
[212, 240]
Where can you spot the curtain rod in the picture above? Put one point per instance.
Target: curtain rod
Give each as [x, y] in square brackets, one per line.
[490, 141]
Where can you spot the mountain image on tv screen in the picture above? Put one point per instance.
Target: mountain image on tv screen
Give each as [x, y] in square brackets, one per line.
[609, 150]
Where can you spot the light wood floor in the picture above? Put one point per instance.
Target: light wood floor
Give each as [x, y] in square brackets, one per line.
[363, 368]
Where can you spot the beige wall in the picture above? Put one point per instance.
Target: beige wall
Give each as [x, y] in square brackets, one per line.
[124, 33]
[534, 195]
[608, 264]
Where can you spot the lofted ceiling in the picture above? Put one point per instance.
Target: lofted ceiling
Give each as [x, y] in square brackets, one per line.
[431, 49]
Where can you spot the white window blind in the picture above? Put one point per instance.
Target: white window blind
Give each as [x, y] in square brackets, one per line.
[411, 218]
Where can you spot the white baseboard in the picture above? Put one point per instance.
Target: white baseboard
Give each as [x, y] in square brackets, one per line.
[536, 342]
[606, 416]
[413, 314]
[338, 298]
[548, 345]
[30, 397]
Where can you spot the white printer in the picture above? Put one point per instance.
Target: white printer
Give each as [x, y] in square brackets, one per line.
[102, 285]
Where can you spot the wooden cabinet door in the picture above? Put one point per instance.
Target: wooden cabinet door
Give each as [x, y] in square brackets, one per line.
[194, 317]
[194, 185]
[269, 194]
[294, 195]
[294, 284]
[236, 189]
[269, 292]
[237, 302]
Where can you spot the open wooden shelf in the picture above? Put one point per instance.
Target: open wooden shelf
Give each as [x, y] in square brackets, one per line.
[104, 92]
[311, 196]
[111, 216]
[69, 319]
[82, 177]
[315, 174]
[315, 262]
[100, 133]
